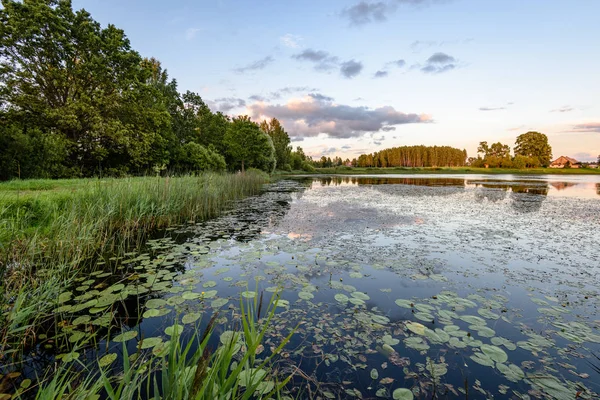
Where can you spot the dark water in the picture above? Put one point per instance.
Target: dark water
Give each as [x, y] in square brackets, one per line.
[455, 287]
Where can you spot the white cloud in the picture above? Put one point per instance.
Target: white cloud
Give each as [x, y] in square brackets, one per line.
[292, 41]
[191, 33]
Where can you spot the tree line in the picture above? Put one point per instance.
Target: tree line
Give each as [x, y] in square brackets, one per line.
[76, 100]
[531, 150]
[414, 156]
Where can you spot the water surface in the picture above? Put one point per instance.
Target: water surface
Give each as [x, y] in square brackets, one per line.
[478, 285]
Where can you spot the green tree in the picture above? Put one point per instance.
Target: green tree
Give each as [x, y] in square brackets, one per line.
[534, 144]
[61, 70]
[281, 141]
[249, 146]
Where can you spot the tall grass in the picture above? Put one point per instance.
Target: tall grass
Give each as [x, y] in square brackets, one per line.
[231, 371]
[50, 230]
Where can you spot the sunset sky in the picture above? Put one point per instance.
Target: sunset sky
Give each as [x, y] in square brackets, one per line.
[347, 77]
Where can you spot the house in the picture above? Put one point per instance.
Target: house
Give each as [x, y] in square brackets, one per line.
[593, 165]
[563, 161]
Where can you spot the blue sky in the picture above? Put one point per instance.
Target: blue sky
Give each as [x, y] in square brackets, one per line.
[347, 77]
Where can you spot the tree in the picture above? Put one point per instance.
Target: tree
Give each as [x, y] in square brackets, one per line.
[248, 145]
[534, 144]
[280, 139]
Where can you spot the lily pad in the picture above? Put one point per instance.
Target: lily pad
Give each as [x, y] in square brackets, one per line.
[340, 297]
[125, 336]
[190, 318]
[107, 360]
[306, 295]
[402, 394]
[494, 352]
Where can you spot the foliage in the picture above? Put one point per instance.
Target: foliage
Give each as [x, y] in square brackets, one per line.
[414, 156]
[230, 371]
[249, 146]
[50, 229]
[76, 101]
[281, 141]
[195, 157]
[534, 144]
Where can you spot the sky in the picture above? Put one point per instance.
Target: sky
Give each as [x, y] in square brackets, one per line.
[347, 77]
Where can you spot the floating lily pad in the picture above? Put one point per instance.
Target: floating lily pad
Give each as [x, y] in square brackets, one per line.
[209, 284]
[249, 294]
[402, 394]
[340, 297]
[306, 295]
[494, 352]
[174, 330]
[416, 327]
[374, 374]
[388, 339]
[190, 318]
[360, 295]
[150, 342]
[125, 336]
[107, 360]
[155, 303]
[218, 303]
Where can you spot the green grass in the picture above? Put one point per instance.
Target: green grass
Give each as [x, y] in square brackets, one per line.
[52, 230]
[447, 170]
[175, 372]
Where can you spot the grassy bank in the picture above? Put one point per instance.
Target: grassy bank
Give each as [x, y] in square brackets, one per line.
[49, 230]
[447, 170]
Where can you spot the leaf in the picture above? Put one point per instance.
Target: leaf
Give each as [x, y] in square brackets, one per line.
[209, 284]
[155, 303]
[125, 336]
[416, 327]
[374, 374]
[306, 295]
[494, 352]
[402, 394]
[190, 318]
[218, 303]
[251, 376]
[249, 294]
[174, 330]
[340, 297]
[150, 342]
[107, 360]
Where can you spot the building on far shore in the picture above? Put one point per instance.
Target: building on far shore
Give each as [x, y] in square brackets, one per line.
[563, 161]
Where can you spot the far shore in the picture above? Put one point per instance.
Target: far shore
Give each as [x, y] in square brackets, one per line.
[444, 170]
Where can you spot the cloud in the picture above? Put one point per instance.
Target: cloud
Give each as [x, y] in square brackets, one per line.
[292, 41]
[585, 156]
[320, 97]
[491, 108]
[363, 12]
[309, 117]
[517, 128]
[281, 92]
[323, 60]
[563, 109]
[350, 69]
[256, 65]
[191, 33]
[419, 45]
[398, 63]
[440, 58]
[381, 74]
[587, 127]
[256, 97]
[226, 104]
[346, 147]
[439, 63]
[330, 150]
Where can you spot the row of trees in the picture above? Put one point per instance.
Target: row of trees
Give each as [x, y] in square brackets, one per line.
[414, 156]
[531, 150]
[76, 100]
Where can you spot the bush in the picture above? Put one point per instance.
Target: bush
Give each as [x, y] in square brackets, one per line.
[307, 167]
[287, 167]
[196, 157]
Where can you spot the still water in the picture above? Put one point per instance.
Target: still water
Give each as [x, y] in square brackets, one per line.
[453, 287]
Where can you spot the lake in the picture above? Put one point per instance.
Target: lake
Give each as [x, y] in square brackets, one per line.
[470, 286]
